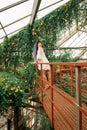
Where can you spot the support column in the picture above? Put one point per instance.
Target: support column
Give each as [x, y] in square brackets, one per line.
[78, 97]
[51, 84]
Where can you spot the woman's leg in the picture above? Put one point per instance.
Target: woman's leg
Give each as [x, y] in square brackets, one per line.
[44, 73]
[49, 75]
[44, 78]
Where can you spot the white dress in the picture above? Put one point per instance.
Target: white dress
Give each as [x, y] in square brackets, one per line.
[41, 57]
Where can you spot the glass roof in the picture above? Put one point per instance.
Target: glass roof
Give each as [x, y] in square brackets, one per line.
[77, 40]
[15, 14]
[75, 43]
[46, 6]
[13, 19]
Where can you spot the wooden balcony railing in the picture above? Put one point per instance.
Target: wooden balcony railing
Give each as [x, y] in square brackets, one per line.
[65, 102]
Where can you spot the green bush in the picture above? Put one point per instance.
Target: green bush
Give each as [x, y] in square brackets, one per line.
[12, 91]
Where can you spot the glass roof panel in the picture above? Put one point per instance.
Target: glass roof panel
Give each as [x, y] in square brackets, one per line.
[1, 33]
[84, 56]
[15, 13]
[47, 6]
[79, 39]
[76, 44]
[5, 3]
[15, 17]
[17, 25]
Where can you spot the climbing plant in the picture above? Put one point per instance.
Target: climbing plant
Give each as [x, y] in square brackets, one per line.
[48, 27]
[23, 43]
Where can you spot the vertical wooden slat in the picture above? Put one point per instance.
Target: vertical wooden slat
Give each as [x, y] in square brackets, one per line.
[61, 77]
[51, 84]
[36, 75]
[72, 87]
[78, 97]
[41, 83]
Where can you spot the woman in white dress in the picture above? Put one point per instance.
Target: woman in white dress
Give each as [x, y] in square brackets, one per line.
[40, 56]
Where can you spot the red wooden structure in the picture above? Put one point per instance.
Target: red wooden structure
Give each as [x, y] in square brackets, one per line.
[65, 102]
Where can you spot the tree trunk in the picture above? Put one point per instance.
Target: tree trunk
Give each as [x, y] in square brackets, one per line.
[18, 119]
[16, 114]
[9, 124]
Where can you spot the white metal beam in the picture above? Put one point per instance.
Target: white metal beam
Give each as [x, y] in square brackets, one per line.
[36, 5]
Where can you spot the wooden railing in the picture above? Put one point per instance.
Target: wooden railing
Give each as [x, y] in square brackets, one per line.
[70, 77]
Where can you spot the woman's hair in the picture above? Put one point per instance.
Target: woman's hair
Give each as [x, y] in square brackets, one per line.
[38, 42]
[35, 49]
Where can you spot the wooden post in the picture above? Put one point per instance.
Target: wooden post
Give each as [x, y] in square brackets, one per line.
[61, 77]
[72, 87]
[78, 97]
[41, 84]
[51, 84]
[36, 75]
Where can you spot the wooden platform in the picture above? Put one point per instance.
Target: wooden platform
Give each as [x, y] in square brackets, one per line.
[63, 109]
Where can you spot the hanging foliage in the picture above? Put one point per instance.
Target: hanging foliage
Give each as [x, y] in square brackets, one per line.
[45, 29]
[23, 41]
[48, 27]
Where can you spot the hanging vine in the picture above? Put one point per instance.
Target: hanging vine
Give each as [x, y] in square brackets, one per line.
[48, 27]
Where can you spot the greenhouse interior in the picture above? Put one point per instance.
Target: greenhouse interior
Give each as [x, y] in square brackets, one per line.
[61, 26]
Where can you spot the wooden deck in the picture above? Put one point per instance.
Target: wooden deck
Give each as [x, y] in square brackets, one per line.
[65, 110]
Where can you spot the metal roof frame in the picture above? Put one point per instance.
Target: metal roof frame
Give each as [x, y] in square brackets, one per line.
[32, 16]
[35, 10]
[36, 5]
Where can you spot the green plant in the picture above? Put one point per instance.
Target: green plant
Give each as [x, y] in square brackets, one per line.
[64, 56]
[12, 91]
[30, 75]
